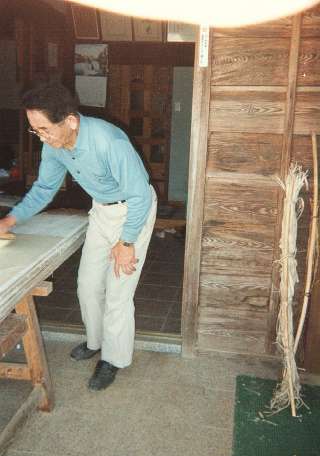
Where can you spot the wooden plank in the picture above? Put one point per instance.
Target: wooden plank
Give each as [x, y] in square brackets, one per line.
[310, 26]
[231, 235]
[249, 89]
[253, 111]
[308, 89]
[241, 203]
[240, 253]
[277, 28]
[250, 61]
[241, 332]
[285, 163]
[34, 351]
[17, 371]
[236, 342]
[247, 179]
[224, 319]
[244, 152]
[11, 331]
[235, 292]
[307, 113]
[302, 153]
[309, 63]
[8, 433]
[236, 262]
[43, 289]
[250, 359]
[197, 166]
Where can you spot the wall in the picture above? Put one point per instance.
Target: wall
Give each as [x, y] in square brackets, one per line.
[9, 103]
[248, 127]
[9, 88]
[180, 133]
[59, 5]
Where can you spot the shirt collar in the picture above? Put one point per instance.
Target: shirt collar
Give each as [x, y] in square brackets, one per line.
[82, 141]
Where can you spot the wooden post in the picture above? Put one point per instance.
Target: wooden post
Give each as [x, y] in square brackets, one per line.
[197, 176]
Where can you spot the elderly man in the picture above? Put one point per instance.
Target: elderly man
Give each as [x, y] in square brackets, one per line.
[102, 160]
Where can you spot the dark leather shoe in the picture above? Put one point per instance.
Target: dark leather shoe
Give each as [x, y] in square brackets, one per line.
[104, 374]
[82, 352]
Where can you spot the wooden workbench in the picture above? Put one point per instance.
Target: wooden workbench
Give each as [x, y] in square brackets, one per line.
[42, 245]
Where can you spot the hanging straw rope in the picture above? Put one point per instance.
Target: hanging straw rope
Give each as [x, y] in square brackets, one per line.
[312, 244]
[288, 392]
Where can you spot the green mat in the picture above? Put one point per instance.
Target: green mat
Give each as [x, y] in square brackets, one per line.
[256, 434]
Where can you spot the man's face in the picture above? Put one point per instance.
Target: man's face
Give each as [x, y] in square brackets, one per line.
[58, 135]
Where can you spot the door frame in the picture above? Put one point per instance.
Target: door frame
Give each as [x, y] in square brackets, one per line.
[196, 195]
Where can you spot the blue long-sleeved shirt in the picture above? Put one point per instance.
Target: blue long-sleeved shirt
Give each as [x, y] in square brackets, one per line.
[104, 163]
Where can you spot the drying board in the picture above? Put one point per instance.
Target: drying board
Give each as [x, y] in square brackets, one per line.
[42, 244]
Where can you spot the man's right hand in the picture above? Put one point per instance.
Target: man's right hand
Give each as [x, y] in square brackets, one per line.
[6, 223]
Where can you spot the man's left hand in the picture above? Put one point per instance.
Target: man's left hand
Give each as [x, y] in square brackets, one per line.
[124, 258]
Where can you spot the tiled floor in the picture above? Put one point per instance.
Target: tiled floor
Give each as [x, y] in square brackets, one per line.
[158, 296]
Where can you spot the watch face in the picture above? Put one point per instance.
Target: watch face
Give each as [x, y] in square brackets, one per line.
[127, 244]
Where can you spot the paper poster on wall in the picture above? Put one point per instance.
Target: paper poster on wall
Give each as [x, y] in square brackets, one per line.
[176, 31]
[91, 67]
[91, 91]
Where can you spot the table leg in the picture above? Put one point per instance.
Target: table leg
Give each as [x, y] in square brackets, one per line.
[35, 354]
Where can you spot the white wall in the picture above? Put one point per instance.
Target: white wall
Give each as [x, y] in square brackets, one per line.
[180, 133]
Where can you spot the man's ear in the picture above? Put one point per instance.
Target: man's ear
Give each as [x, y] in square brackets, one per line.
[73, 121]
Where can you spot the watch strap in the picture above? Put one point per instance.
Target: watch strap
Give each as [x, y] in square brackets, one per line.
[126, 244]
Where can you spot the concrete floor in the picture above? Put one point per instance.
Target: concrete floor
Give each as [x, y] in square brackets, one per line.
[162, 405]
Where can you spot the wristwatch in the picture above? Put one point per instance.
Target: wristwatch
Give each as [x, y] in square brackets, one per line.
[126, 244]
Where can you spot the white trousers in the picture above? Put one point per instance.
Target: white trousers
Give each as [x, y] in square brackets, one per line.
[106, 302]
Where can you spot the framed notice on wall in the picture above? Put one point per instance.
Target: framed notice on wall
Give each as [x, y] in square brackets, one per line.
[91, 68]
[147, 30]
[115, 27]
[180, 32]
[85, 22]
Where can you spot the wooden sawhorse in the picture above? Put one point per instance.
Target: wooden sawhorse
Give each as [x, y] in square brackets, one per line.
[24, 324]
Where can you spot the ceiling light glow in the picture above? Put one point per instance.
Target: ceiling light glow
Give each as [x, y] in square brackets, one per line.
[216, 13]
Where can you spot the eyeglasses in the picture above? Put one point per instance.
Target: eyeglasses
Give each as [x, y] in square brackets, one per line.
[37, 132]
[43, 133]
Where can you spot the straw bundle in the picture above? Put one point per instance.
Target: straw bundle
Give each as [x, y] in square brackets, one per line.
[288, 392]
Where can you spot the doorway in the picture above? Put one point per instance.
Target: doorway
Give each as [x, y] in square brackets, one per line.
[158, 299]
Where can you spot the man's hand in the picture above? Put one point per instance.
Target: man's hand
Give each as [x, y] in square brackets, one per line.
[124, 258]
[6, 223]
